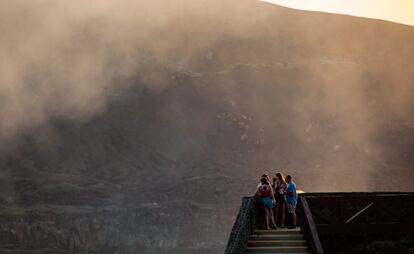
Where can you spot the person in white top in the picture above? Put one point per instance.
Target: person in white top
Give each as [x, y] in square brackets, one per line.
[263, 176]
[267, 199]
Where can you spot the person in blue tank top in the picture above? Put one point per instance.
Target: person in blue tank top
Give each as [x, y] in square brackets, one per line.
[291, 200]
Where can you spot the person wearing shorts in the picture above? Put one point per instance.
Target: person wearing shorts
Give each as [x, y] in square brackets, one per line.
[265, 175]
[291, 200]
[265, 192]
[280, 189]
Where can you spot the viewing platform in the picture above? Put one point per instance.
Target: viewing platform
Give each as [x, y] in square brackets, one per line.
[354, 222]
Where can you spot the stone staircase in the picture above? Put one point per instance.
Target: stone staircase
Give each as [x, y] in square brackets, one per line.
[278, 241]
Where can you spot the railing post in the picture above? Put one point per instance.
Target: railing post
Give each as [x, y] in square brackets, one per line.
[310, 227]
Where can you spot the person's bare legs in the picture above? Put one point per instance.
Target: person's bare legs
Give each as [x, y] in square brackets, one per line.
[293, 215]
[275, 213]
[267, 217]
[282, 214]
[272, 218]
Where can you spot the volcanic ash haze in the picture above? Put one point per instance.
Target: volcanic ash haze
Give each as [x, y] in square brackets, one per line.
[126, 123]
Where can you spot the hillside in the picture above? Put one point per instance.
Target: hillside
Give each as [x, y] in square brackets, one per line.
[204, 100]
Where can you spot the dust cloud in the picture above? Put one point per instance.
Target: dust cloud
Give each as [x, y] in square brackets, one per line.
[66, 60]
[61, 58]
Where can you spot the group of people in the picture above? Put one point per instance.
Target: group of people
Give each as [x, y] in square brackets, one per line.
[278, 198]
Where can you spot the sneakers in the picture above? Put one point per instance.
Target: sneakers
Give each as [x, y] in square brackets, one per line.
[293, 227]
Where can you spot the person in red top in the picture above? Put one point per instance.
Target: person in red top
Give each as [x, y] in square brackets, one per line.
[265, 191]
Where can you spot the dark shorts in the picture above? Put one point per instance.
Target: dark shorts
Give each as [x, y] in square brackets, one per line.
[280, 199]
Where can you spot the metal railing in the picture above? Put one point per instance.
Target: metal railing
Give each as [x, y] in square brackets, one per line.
[244, 225]
[309, 227]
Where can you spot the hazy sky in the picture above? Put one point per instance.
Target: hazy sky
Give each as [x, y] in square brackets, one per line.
[401, 11]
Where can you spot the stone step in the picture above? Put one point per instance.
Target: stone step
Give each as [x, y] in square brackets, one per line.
[266, 237]
[277, 231]
[276, 243]
[277, 250]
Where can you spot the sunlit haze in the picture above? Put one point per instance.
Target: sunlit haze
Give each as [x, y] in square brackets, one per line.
[400, 11]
